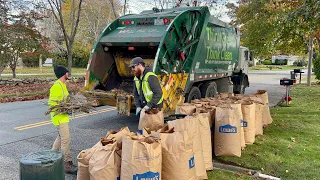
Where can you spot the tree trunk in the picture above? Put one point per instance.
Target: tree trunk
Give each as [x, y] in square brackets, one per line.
[40, 62]
[113, 9]
[70, 58]
[14, 73]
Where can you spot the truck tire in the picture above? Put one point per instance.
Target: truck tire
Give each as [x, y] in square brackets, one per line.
[193, 94]
[242, 86]
[208, 89]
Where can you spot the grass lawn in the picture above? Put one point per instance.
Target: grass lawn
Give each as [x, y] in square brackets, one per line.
[224, 175]
[274, 67]
[45, 70]
[290, 146]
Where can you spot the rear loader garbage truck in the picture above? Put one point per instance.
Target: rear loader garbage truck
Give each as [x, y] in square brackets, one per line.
[194, 55]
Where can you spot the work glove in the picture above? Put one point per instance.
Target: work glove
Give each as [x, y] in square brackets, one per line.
[147, 108]
[138, 110]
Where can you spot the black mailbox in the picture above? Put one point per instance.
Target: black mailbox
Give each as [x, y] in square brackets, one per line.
[297, 70]
[286, 82]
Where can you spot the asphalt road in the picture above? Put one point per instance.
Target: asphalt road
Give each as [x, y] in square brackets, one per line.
[26, 129]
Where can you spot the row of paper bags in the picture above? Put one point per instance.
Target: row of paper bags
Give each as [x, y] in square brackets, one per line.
[178, 150]
[234, 120]
[182, 148]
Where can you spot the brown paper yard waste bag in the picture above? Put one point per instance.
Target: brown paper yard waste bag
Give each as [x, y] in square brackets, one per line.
[210, 109]
[150, 120]
[105, 163]
[204, 120]
[85, 155]
[248, 112]
[259, 123]
[191, 125]
[186, 108]
[177, 156]
[83, 162]
[266, 117]
[227, 138]
[117, 135]
[239, 116]
[141, 158]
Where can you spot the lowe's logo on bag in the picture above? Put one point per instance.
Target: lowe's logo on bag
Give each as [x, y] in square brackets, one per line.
[227, 129]
[147, 176]
[243, 123]
[191, 163]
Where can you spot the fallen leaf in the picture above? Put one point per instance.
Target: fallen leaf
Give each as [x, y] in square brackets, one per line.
[238, 175]
[289, 147]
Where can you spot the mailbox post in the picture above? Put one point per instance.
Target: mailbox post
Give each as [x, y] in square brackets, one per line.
[287, 83]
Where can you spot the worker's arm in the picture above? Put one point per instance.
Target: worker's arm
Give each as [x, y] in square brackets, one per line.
[156, 89]
[136, 96]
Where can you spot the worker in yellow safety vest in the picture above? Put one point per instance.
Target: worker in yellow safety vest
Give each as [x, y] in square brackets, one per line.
[147, 90]
[59, 92]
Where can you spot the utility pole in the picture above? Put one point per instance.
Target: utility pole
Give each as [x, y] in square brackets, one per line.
[310, 62]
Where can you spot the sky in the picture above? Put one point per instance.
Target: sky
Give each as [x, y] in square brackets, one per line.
[136, 6]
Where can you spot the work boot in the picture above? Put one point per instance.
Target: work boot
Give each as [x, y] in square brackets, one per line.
[70, 168]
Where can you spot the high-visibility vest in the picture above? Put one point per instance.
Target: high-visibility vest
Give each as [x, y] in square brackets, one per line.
[58, 92]
[148, 94]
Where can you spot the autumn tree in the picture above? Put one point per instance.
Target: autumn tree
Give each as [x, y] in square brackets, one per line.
[18, 33]
[95, 16]
[67, 22]
[3, 31]
[263, 28]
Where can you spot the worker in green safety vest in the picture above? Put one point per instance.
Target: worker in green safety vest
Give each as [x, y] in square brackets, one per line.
[59, 92]
[147, 90]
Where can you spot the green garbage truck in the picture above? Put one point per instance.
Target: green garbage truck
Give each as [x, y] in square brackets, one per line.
[194, 55]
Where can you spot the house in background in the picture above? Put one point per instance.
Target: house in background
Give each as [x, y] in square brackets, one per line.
[48, 62]
[284, 59]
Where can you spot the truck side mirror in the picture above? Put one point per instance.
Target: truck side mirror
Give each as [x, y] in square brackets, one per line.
[251, 56]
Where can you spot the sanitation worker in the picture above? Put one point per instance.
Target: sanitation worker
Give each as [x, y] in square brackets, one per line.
[147, 90]
[59, 92]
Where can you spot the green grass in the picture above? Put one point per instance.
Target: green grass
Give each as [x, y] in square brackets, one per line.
[274, 68]
[45, 70]
[224, 175]
[290, 146]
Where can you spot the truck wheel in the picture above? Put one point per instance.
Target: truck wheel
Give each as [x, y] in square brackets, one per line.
[242, 87]
[194, 94]
[209, 90]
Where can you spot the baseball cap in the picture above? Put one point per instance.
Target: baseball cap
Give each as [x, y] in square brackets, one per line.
[135, 61]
